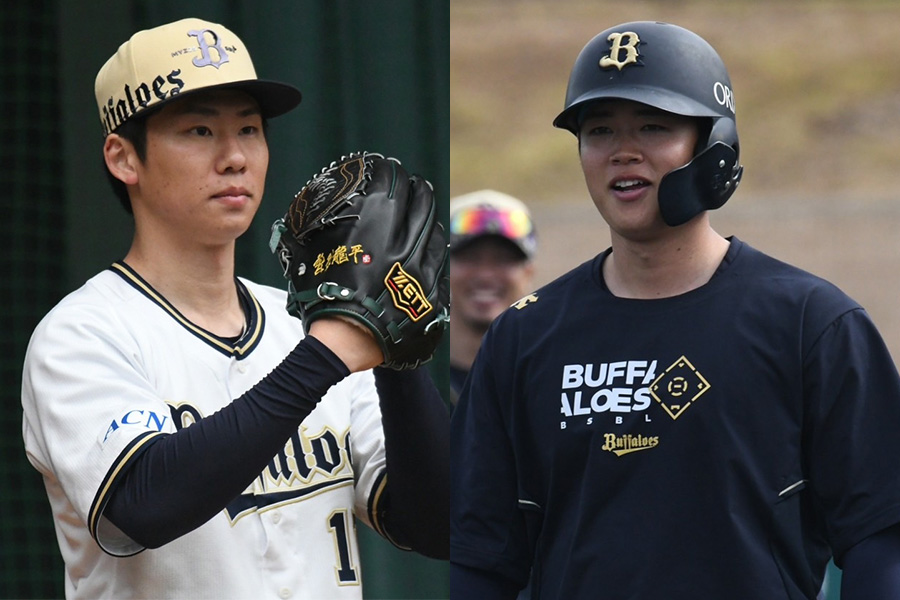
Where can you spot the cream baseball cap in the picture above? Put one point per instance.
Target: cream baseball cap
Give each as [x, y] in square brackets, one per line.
[164, 63]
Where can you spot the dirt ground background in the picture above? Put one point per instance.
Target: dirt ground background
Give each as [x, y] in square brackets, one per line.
[817, 86]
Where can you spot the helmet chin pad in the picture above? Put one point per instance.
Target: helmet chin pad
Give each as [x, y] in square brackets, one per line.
[705, 183]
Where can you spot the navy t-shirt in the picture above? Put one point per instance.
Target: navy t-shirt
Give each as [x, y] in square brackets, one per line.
[457, 380]
[718, 444]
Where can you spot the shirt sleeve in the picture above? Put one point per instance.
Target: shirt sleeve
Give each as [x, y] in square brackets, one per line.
[852, 392]
[366, 445]
[88, 406]
[872, 568]
[487, 526]
[466, 582]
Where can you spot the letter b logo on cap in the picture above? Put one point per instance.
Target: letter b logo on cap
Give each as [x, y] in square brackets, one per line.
[205, 59]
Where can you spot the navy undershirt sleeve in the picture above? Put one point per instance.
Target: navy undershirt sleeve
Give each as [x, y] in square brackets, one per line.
[871, 568]
[416, 501]
[182, 480]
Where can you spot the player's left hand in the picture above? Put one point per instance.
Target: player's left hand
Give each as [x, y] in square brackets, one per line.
[354, 344]
[362, 240]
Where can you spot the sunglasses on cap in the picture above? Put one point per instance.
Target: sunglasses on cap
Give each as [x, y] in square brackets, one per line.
[480, 220]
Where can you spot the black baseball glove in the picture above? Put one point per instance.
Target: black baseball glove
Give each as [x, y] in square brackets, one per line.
[362, 239]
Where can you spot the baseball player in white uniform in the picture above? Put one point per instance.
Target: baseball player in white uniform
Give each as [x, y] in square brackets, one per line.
[190, 446]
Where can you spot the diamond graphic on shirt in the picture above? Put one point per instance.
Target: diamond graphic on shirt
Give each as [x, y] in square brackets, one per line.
[679, 387]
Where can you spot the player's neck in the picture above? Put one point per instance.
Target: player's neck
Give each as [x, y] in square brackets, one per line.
[199, 283]
[664, 267]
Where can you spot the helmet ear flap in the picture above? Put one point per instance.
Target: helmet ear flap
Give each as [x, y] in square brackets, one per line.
[705, 183]
[725, 131]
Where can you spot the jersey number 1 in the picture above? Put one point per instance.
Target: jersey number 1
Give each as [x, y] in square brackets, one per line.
[340, 526]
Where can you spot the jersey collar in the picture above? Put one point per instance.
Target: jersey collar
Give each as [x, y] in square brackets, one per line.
[253, 312]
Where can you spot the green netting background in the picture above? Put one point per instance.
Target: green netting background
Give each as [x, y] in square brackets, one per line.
[30, 273]
[375, 76]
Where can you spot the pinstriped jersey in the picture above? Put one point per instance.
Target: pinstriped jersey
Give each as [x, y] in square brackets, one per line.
[112, 366]
[718, 444]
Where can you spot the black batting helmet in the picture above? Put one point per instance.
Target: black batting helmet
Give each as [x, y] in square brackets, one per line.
[673, 69]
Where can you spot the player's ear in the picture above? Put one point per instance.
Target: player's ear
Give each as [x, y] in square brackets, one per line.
[121, 158]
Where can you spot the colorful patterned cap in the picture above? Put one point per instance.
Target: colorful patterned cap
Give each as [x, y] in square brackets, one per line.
[487, 212]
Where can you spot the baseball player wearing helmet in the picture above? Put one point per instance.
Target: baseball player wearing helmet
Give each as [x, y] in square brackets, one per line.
[193, 443]
[681, 417]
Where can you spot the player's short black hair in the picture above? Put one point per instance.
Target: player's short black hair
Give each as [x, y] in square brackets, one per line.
[135, 131]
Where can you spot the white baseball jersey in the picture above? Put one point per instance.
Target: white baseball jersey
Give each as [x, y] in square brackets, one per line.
[112, 366]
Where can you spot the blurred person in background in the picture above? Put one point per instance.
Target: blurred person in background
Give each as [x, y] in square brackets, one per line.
[492, 247]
